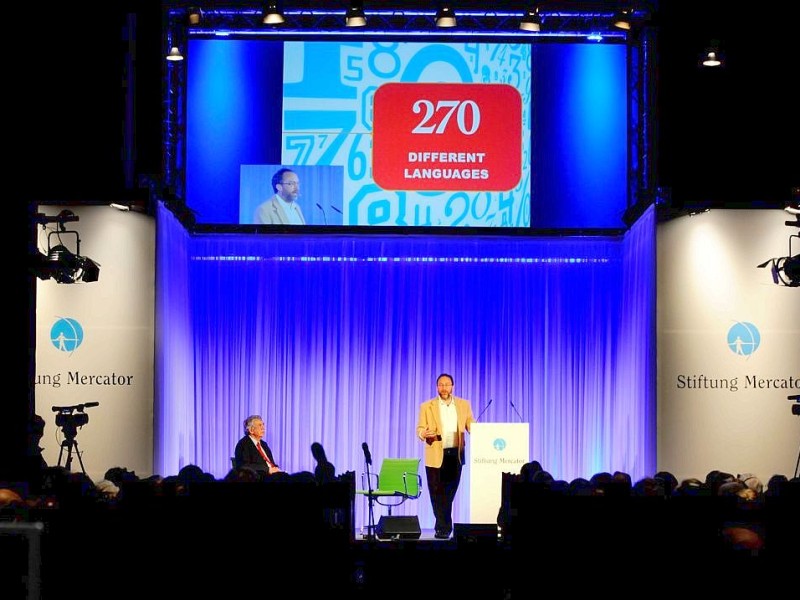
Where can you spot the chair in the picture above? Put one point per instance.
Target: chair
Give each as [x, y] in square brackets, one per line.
[397, 481]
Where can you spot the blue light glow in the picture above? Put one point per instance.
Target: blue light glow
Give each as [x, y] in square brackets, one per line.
[579, 135]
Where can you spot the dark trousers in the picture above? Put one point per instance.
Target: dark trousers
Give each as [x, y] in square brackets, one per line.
[442, 487]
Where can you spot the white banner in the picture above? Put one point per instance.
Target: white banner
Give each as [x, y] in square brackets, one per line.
[728, 346]
[94, 343]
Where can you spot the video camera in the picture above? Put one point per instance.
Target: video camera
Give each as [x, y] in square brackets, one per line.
[796, 407]
[68, 420]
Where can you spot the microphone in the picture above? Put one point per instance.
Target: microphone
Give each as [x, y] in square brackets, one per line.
[511, 402]
[324, 216]
[367, 455]
[484, 409]
[90, 404]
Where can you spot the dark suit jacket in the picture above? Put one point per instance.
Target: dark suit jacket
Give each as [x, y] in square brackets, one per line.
[247, 455]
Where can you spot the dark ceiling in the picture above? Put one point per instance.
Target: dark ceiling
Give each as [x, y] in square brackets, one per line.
[726, 136]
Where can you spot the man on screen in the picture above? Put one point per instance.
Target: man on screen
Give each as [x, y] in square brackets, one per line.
[282, 208]
[442, 423]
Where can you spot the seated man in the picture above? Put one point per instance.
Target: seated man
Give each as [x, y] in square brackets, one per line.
[252, 451]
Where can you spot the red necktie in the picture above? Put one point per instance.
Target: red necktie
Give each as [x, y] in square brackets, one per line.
[264, 455]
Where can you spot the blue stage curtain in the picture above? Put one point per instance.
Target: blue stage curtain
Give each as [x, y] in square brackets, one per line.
[337, 339]
[637, 352]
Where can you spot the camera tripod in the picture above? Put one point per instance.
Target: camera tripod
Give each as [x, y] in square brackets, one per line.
[70, 443]
[69, 420]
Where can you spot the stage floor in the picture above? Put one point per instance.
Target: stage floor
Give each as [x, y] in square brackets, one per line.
[426, 535]
[463, 533]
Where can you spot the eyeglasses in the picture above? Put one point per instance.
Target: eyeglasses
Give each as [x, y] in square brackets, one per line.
[291, 183]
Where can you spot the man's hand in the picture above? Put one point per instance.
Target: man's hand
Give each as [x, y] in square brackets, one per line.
[429, 435]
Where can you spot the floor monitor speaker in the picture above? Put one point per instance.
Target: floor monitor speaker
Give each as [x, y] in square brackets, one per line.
[398, 528]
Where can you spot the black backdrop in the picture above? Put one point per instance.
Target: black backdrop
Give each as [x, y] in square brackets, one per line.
[727, 136]
[724, 135]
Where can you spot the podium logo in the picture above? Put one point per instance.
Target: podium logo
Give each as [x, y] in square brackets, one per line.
[499, 444]
[66, 334]
[744, 338]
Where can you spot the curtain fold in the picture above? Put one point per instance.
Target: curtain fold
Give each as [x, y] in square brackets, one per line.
[174, 365]
[337, 339]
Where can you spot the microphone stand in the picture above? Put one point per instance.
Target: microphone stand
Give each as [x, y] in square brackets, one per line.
[511, 402]
[485, 408]
[370, 508]
[370, 497]
[324, 216]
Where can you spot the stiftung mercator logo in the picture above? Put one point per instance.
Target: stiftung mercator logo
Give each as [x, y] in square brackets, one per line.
[66, 334]
[743, 338]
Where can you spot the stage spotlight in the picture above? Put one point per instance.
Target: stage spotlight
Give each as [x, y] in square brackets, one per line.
[174, 54]
[60, 263]
[65, 267]
[272, 16]
[712, 56]
[532, 21]
[130, 206]
[711, 59]
[355, 16]
[791, 268]
[195, 16]
[793, 206]
[623, 19]
[697, 211]
[785, 270]
[88, 270]
[445, 17]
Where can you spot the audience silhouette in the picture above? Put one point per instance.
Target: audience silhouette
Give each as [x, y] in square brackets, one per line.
[324, 471]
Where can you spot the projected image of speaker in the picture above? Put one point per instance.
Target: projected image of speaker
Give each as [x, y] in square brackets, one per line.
[398, 528]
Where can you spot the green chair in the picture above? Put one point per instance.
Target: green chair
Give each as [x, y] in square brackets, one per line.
[397, 481]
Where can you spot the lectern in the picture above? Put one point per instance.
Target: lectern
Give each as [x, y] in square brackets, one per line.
[495, 448]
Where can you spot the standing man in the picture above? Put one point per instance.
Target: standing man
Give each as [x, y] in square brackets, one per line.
[252, 451]
[282, 208]
[442, 423]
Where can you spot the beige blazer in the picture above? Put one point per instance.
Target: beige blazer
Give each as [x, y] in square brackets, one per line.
[429, 418]
[271, 213]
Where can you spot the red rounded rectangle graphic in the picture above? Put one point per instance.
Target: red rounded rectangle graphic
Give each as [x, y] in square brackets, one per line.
[447, 136]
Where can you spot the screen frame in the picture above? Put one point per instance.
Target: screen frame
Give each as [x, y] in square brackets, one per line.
[179, 183]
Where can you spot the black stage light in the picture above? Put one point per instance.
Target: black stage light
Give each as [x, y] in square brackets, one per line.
[355, 16]
[445, 17]
[195, 16]
[272, 16]
[785, 270]
[62, 264]
[622, 19]
[532, 21]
